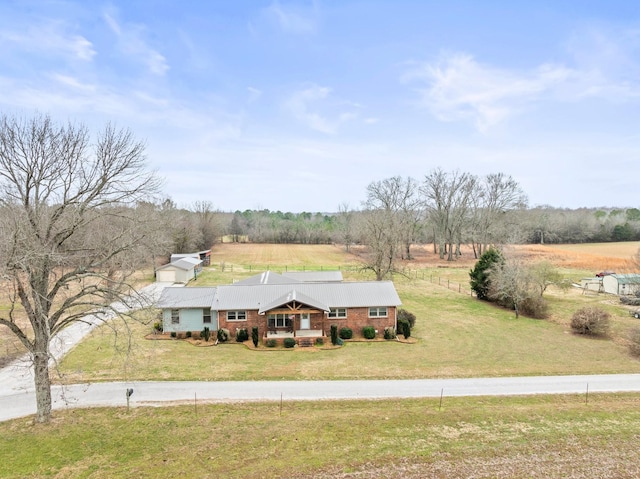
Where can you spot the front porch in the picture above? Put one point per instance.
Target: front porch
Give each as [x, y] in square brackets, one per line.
[300, 333]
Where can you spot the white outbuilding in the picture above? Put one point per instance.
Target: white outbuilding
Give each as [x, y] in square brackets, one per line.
[621, 284]
[180, 271]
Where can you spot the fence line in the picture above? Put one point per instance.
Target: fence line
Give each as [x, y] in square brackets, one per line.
[423, 274]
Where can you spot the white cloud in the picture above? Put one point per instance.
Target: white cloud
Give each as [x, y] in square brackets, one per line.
[460, 88]
[132, 43]
[290, 19]
[303, 105]
[51, 38]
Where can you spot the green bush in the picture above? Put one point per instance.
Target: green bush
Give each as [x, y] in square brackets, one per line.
[590, 321]
[480, 275]
[289, 342]
[389, 333]
[319, 341]
[334, 334]
[188, 334]
[157, 326]
[410, 317]
[271, 343]
[346, 333]
[242, 335]
[205, 334]
[369, 332]
[404, 328]
[339, 342]
[174, 334]
[223, 335]
[255, 336]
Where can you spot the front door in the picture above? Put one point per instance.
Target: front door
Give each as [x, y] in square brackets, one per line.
[305, 321]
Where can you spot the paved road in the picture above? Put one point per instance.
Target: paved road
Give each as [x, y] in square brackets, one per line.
[22, 403]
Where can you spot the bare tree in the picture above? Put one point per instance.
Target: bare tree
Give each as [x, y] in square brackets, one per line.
[497, 194]
[345, 225]
[69, 228]
[385, 225]
[207, 225]
[447, 197]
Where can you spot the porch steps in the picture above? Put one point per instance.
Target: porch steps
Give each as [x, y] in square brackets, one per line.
[305, 342]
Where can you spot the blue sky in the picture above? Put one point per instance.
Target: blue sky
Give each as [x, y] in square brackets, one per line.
[299, 105]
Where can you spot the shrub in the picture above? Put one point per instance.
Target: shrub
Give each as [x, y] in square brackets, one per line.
[188, 334]
[410, 317]
[591, 321]
[157, 326]
[205, 334]
[339, 342]
[404, 328]
[534, 307]
[289, 342]
[271, 343]
[389, 333]
[346, 333]
[334, 334]
[173, 334]
[223, 335]
[634, 342]
[479, 275]
[319, 341]
[369, 332]
[242, 335]
[255, 336]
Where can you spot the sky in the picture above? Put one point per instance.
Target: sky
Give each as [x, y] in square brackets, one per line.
[299, 105]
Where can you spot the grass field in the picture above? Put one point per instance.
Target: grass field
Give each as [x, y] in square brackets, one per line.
[533, 437]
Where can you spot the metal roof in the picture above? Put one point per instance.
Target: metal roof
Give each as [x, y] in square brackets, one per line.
[185, 264]
[293, 295]
[632, 278]
[333, 295]
[314, 276]
[268, 277]
[186, 298]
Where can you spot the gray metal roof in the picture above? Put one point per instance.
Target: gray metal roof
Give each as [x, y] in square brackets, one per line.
[314, 276]
[293, 295]
[185, 264]
[268, 277]
[186, 298]
[333, 295]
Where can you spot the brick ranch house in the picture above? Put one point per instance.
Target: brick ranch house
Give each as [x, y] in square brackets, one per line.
[297, 305]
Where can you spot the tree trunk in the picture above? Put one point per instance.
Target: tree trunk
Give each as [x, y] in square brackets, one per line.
[43, 386]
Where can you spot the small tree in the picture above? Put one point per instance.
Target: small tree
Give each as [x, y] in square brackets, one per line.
[254, 336]
[480, 274]
[404, 328]
[590, 321]
[206, 334]
[410, 317]
[334, 334]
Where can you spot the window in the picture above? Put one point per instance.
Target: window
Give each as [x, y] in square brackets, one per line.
[338, 313]
[279, 320]
[380, 312]
[206, 316]
[236, 315]
[175, 316]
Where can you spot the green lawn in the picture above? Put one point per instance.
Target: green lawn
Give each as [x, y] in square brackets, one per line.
[456, 336]
[539, 436]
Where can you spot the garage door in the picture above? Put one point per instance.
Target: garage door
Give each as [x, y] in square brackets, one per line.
[166, 276]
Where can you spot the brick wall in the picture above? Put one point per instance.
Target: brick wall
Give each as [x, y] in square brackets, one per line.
[357, 318]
